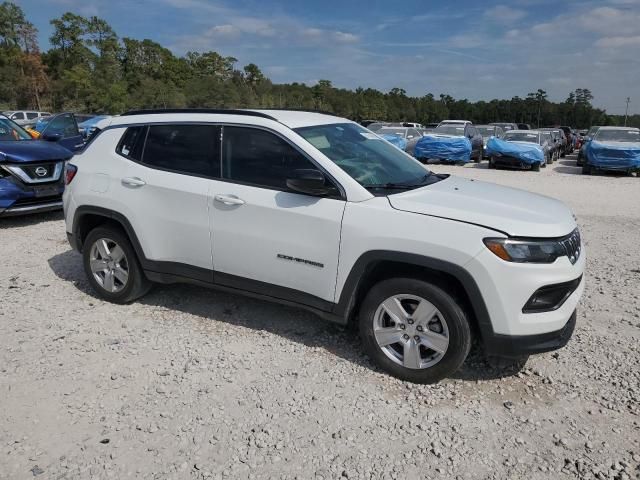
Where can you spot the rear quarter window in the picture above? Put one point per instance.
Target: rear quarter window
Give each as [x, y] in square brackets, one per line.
[132, 142]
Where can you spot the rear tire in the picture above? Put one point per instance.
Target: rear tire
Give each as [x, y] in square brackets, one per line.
[112, 267]
[401, 318]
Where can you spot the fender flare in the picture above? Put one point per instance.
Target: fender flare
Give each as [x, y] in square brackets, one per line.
[348, 295]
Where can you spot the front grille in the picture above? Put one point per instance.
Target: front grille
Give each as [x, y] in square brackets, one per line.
[572, 245]
[37, 172]
[21, 202]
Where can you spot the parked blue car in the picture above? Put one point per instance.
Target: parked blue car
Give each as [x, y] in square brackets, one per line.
[613, 149]
[396, 141]
[89, 126]
[32, 171]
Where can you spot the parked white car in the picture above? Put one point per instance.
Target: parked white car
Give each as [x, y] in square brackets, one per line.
[25, 118]
[316, 211]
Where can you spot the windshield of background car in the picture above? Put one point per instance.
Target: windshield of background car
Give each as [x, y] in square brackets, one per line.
[401, 132]
[10, 131]
[92, 121]
[521, 137]
[626, 136]
[487, 131]
[371, 161]
[457, 131]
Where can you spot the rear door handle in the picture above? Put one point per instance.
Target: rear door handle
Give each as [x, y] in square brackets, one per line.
[133, 182]
[229, 199]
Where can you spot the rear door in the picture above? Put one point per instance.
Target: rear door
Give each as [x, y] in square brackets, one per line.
[64, 127]
[163, 192]
[266, 238]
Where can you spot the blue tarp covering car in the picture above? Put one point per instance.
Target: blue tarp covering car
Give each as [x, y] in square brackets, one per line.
[528, 153]
[614, 155]
[396, 141]
[443, 147]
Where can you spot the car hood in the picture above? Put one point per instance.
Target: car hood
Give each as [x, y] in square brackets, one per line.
[32, 151]
[514, 212]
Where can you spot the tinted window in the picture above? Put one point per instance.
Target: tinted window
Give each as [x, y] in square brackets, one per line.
[260, 158]
[64, 125]
[17, 116]
[132, 142]
[191, 149]
[32, 115]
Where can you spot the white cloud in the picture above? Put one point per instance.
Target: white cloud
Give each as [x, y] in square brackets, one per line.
[617, 42]
[504, 14]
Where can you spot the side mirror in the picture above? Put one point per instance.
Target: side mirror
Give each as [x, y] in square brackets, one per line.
[309, 182]
[52, 137]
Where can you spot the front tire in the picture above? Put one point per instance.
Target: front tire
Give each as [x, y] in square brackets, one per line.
[535, 167]
[112, 267]
[586, 168]
[414, 330]
[492, 163]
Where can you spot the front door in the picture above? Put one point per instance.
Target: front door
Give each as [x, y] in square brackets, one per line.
[65, 128]
[266, 238]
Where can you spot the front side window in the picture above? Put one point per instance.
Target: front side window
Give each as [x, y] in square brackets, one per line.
[188, 149]
[260, 158]
[371, 161]
[17, 116]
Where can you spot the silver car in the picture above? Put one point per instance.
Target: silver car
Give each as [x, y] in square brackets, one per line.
[25, 118]
[488, 131]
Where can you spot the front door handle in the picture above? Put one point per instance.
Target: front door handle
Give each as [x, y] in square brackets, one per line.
[133, 182]
[228, 199]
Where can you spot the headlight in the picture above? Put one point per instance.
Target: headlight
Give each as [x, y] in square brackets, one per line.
[526, 251]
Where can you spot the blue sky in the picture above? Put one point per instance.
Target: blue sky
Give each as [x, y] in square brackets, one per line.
[468, 49]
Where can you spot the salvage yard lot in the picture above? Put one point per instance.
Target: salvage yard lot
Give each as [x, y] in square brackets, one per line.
[194, 383]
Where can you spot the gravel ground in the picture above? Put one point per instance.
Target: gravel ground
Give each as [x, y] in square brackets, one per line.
[194, 383]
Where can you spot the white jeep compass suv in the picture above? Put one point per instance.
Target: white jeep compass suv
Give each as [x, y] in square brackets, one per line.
[316, 211]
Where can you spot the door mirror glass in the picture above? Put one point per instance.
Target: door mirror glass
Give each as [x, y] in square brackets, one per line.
[308, 181]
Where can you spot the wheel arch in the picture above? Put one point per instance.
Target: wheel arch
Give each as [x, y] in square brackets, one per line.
[87, 218]
[375, 266]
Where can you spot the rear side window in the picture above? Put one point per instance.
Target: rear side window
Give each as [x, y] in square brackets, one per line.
[17, 116]
[189, 149]
[32, 115]
[260, 158]
[131, 144]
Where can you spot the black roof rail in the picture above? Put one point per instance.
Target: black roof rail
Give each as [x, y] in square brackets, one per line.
[308, 110]
[222, 111]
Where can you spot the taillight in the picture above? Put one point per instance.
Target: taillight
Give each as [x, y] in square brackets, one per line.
[70, 171]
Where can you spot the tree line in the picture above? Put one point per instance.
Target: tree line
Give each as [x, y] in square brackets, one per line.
[88, 68]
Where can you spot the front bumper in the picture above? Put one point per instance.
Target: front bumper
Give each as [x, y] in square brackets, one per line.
[17, 198]
[514, 346]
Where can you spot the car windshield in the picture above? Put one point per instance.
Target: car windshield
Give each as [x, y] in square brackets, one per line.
[371, 161]
[486, 131]
[505, 126]
[456, 130]
[401, 132]
[626, 136]
[521, 137]
[10, 131]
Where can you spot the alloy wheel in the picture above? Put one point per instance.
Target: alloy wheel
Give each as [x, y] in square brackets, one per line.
[411, 331]
[109, 265]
